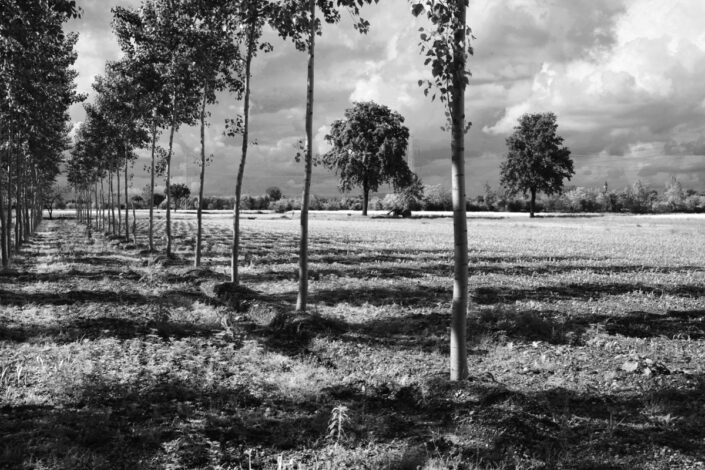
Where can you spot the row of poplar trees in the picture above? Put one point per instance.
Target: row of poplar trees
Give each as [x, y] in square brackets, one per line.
[36, 89]
[179, 55]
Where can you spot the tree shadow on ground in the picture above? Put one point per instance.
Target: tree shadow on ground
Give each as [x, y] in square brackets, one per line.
[675, 324]
[581, 291]
[73, 297]
[20, 278]
[292, 334]
[90, 329]
[406, 269]
[114, 424]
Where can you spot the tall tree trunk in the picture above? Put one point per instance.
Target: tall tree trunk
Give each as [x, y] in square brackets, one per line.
[365, 197]
[119, 212]
[102, 205]
[98, 219]
[18, 205]
[532, 203]
[127, 206]
[202, 177]
[26, 218]
[8, 225]
[89, 221]
[111, 204]
[8, 215]
[168, 181]
[134, 224]
[234, 276]
[302, 297]
[3, 228]
[458, 343]
[151, 182]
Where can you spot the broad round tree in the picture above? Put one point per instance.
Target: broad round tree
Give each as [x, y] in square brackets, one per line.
[537, 161]
[369, 149]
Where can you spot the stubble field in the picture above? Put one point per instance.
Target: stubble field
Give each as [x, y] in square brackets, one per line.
[586, 342]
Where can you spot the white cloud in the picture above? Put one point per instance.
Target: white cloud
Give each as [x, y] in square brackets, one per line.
[616, 72]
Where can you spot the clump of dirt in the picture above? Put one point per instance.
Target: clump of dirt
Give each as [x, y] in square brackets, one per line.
[295, 330]
[237, 296]
[304, 322]
[164, 261]
[194, 276]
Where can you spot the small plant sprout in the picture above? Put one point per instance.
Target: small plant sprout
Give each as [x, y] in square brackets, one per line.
[338, 419]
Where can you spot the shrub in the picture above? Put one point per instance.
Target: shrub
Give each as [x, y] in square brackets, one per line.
[519, 205]
[436, 198]
[478, 205]
[273, 193]
[286, 205]
[215, 203]
[556, 203]
[375, 204]
[582, 199]
[352, 203]
[332, 204]
[661, 207]
[137, 202]
[694, 203]
[255, 203]
[317, 203]
[190, 203]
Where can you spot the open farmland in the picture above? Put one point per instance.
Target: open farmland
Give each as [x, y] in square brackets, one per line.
[587, 347]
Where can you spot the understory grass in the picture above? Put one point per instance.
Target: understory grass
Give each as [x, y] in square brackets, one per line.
[586, 348]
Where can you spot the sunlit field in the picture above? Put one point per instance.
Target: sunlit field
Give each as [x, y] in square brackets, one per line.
[586, 342]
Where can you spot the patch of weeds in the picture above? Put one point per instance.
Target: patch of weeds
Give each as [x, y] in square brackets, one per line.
[529, 325]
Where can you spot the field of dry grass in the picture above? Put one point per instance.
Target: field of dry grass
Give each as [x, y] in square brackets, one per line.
[587, 347]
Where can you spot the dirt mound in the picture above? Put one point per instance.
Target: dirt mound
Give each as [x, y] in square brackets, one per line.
[239, 297]
[305, 324]
[195, 275]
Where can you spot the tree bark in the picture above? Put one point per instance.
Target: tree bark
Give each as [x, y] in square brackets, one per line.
[202, 177]
[8, 214]
[151, 182]
[168, 181]
[119, 196]
[18, 205]
[234, 273]
[458, 342]
[98, 219]
[3, 226]
[302, 298]
[103, 213]
[532, 203]
[8, 225]
[127, 207]
[26, 217]
[365, 197]
[111, 204]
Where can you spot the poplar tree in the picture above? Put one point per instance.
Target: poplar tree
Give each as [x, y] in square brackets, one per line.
[37, 88]
[297, 20]
[155, 34]
[446, 46]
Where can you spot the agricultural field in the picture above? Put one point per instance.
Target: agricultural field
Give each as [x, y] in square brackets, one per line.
[587, 347]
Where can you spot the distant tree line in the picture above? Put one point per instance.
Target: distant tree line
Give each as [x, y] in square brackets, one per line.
[635, 199]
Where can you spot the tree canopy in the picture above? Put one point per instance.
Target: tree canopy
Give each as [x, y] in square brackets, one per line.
[36, 89]
[179, 192]
[369, 149]
[537, 161]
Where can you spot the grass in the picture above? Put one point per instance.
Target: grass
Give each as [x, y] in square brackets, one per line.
[586, 341]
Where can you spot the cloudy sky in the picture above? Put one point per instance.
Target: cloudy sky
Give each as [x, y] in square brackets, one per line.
[623, 76]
